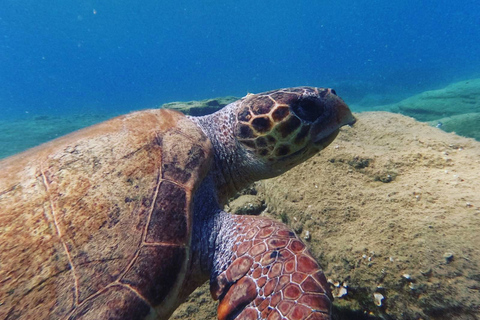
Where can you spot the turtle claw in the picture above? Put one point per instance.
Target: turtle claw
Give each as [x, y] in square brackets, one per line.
[272, 276]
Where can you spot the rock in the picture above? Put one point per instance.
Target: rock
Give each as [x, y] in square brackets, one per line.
[415, 218]
[448, 256]
[247, 205]
[307, 236]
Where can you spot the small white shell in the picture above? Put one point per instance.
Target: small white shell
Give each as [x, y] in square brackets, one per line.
[342, 292]
[378, 297]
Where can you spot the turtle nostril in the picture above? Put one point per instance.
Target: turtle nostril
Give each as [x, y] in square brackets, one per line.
[308, 109]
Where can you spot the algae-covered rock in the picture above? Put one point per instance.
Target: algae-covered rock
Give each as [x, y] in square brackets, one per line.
[20, 135]
[457, 98]
[467, 125]
[200, 108]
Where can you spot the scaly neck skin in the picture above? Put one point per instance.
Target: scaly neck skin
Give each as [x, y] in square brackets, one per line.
[211, 241]
[231, 161]
[225, 178]
[233, 169]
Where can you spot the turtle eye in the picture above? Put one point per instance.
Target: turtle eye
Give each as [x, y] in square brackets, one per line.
[308, 109]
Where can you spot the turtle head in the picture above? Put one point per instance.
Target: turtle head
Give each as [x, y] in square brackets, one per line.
[263, 135]
[284, 127]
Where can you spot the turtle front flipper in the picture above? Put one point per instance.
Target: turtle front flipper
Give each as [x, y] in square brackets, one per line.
[263, 271]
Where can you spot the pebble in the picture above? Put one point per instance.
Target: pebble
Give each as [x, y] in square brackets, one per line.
[307, 235]
[426, 272]
[247, 205]
[407, 276]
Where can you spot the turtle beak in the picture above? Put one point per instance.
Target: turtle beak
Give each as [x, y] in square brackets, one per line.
[345, 116]
[336, 115]
[343, 113]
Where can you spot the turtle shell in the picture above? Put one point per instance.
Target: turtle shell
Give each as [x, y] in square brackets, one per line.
[101, 217]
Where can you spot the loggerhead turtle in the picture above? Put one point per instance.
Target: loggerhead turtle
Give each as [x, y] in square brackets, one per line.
[122, 220]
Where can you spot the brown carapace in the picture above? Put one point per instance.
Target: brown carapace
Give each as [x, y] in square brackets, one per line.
[97, 224]
[123, 220]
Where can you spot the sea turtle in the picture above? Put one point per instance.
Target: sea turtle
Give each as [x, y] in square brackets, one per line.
[123, 220]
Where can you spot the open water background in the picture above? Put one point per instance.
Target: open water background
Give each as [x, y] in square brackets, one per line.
[62, 57]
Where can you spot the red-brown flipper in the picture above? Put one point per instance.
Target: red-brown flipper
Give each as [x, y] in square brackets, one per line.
[272, 275]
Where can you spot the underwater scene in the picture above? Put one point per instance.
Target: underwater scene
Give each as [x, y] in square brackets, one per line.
[390, 210]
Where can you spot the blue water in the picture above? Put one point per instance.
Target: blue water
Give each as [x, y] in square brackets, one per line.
[70, 57]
